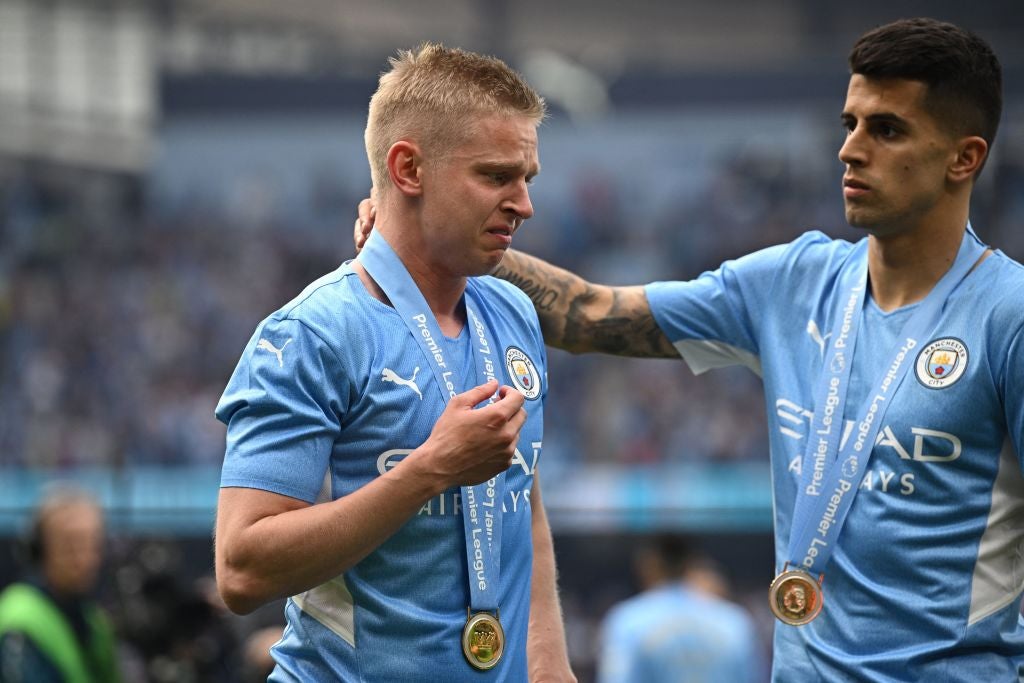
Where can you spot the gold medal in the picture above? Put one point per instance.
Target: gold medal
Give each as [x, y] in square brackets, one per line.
[795, 597]
[483, 640]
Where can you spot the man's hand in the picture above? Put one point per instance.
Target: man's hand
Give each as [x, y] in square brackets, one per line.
[271, 546]
[364, 223]
[468, 445]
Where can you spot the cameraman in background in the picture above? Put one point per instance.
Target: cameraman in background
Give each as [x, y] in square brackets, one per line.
[51, 629]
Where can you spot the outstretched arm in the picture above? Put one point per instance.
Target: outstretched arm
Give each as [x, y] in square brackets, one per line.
[580, 316]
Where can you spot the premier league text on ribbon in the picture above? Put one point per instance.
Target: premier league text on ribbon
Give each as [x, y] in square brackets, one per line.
[865, 425]
[487, 527]
[850, 468]
[833, 399]
[435, 350]
[821, 451]
[485, 347]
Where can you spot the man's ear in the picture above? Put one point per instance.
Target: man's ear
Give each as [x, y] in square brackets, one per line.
[971, 154]
[404, 164]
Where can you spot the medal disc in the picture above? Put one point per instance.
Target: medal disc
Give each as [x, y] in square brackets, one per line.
[795, 597]
[483, 640]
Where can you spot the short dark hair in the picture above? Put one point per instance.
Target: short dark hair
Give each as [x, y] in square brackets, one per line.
[964, 79]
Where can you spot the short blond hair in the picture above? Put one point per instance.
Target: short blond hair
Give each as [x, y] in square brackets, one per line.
[431, 94]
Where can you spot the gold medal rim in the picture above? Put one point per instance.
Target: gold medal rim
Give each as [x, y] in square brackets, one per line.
[809, 582]
[499, 650]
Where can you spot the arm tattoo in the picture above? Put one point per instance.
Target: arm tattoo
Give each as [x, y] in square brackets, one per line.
[578, 316]
[544, 298]
[628, 328]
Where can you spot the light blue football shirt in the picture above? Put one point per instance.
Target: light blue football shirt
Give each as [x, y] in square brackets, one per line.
[672, 634]
[926, 581]
[332, 391]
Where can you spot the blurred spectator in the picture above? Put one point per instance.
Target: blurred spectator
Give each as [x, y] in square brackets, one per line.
[51, 629]
[681, 627]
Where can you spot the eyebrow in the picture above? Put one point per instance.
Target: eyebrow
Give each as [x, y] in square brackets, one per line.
[507, 167]
[879, 117]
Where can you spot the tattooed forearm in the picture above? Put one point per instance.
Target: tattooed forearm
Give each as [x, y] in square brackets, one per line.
[578, 316]
[627, 328]
[550, 289]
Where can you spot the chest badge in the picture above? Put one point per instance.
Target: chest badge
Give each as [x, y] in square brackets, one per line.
[941, 363]
[522, 372]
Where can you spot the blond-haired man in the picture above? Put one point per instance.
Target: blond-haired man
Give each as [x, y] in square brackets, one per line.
[384, 427]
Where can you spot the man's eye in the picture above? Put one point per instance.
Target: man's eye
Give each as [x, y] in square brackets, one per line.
[888, 132]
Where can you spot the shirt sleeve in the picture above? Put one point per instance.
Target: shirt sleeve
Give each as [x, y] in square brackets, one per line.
[715, 320]
[283, 408]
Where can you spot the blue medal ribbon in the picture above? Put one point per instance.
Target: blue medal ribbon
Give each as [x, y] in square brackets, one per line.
[481, 504]
[831, 472]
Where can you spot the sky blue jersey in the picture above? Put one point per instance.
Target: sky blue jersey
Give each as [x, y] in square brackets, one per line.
[671, 634]
[925, 583]
[331, 392]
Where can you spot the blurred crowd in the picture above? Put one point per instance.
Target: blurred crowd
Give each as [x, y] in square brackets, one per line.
[121, 322]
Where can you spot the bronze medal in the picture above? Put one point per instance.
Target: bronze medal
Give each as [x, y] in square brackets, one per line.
[483, 640]
[795, 597]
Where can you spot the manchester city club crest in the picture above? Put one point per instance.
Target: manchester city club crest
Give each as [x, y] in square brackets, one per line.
[522, 372]
[941, 363]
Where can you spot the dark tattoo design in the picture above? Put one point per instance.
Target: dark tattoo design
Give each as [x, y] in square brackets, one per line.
[543, 297]
[580, 317]
[627, 329]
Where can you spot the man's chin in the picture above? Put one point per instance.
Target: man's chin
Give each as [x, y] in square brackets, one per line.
[857, 219]
[492, 263]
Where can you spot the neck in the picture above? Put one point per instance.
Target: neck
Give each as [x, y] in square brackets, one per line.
[441, 290]
[904, 266]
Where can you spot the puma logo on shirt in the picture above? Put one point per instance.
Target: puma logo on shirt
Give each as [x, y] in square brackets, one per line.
[390, 376]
